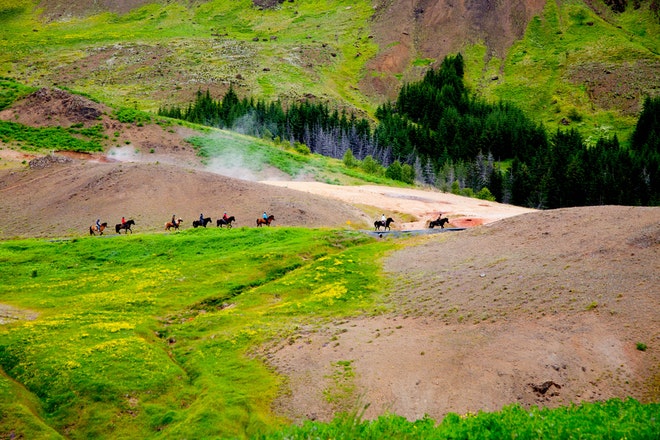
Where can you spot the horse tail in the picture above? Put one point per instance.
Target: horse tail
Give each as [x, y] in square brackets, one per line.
[91, 231]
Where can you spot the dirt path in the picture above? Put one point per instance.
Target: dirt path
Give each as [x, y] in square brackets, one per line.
[422, 205]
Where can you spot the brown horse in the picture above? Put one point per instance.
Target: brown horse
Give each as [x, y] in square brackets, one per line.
[174, 225]
[263, 221]
[93, 230]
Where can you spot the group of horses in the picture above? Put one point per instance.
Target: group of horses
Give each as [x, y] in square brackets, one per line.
[126, 226]
[176, 224]
[386, 224]
[205, 221]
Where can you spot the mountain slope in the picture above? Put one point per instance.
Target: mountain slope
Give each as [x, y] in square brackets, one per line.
[563, 62]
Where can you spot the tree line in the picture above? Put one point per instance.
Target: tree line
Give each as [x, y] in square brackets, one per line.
[438, 133]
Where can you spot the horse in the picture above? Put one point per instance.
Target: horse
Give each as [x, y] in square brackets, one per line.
[174, 224]
[202, 222]
[385, 225]
[263, 221]
[227, 222]
[125, 226]
[93, 228]
[438, 222]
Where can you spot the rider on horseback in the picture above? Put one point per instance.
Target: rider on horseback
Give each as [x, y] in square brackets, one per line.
[265, 216]
[224, 217]
[98, 224]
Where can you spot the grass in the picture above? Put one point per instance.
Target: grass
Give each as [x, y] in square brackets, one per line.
[316, 46]
[565, 37]
[612, 419]
[155, 335]
[74, 138]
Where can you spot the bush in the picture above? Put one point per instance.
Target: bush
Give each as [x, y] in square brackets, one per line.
[349, 160]
[485, 194]
[371, 166]
[302, 148]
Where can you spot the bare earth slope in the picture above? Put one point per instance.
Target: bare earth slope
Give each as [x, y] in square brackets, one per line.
[540, 309]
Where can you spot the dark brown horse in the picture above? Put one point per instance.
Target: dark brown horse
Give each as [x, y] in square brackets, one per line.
[228, 222]
[93, 230]
[265, 221]
[438, 222]
[174, 225]
[385, 225]
[125, 226]
[202, 222]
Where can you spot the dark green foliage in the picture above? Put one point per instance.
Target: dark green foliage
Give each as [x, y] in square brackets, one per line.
[131, 116]
[54, 138]
[645, 152]
[613, 419]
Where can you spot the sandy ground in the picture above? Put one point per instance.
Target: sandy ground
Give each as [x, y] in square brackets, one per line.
[418, 205]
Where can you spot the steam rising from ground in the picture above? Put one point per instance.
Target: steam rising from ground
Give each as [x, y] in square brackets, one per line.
[233, 164]
[238, 163]
[125, 154]
[230, 160]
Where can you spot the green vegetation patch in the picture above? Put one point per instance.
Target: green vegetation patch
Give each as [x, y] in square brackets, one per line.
[145, 336]
[569, 49]
[10, 91]
[614, 419]
[74, 138]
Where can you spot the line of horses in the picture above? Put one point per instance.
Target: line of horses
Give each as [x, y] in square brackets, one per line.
[221, 222]
[205, 221]
[386, 224]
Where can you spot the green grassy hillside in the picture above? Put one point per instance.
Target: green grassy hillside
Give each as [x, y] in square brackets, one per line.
[140, 337]
[590, 71]
[574, 65]
[164, 52]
